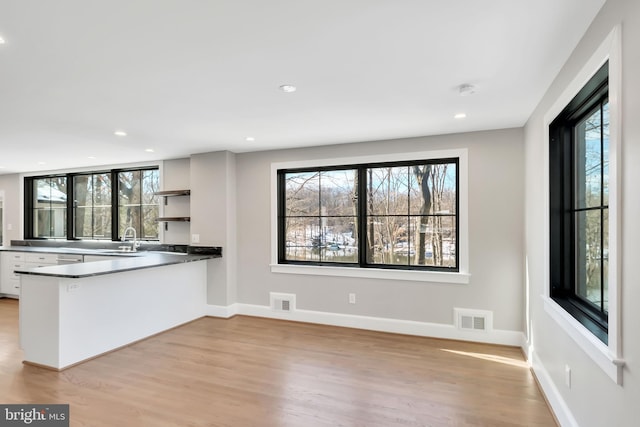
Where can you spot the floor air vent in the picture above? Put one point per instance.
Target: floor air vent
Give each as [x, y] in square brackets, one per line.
[282, 302]
[473, 320]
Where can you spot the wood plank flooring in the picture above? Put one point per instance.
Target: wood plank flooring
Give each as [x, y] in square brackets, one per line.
[249, 371]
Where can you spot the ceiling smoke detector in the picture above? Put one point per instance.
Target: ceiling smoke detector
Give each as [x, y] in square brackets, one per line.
[466, 89]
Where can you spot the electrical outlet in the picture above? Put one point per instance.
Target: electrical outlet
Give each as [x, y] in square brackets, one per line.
[567, 376]
[73, 287]
[352, 298]
[195, 238]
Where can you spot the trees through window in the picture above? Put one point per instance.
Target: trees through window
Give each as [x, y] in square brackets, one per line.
[48, 203]
[390, 215]
[579, 206]
[98, 205]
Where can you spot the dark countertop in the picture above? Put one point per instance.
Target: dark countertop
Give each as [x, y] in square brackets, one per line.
[117, 265]
[122, 261]
[66, 250]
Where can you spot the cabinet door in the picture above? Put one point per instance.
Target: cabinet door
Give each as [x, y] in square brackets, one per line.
[12, 287]
[7, 286]
[12, 256]
[41, 259]
[9, 281]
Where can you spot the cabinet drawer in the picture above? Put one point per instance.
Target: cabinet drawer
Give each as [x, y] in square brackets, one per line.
[42, 258]
[10, 287]
[14, 256]
[15, 266]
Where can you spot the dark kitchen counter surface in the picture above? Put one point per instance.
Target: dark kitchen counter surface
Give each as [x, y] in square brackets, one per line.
[119, 264]
[122, 261]
[69, 250]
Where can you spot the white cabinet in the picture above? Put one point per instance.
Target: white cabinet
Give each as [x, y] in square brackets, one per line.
[9, 281]
[10, 261]
[40, 260]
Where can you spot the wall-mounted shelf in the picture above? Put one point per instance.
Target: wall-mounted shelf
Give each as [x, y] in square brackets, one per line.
[172, 193]
[168, 219]
[174, 219]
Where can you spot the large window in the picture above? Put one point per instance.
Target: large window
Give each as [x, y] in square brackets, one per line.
[137, 203]
[47, 208]
[579, 202]
[96, 205]
[400, 215]
[92, 206]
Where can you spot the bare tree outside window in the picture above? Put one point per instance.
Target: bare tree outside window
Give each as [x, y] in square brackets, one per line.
[320, 220]
[413, 215]
[408, 215]
[92, 206]
[138, 205]
[90, 198]
[591, 206]
[50, 207]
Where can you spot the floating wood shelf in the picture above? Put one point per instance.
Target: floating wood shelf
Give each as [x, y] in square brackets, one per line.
[168, 219]
[174, 219]
[173, 193]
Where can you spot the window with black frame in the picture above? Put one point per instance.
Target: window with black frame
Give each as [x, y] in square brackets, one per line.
[137, 202]
[400, 215]
[47, 207]
[579, 203]
[92, 205]
[92, 197]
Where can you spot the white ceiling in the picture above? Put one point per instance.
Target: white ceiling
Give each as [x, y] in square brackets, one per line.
[190, 76]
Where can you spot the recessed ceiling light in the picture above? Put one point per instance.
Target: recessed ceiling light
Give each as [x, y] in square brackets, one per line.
[149, 150]
[2, 40]
[91, 157]
[466, 89]
[460, 116]
[120, 133]
[288, 88]
[42, 163]
[249, 139]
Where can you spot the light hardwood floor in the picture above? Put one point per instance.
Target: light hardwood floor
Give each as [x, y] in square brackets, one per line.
[258, 372]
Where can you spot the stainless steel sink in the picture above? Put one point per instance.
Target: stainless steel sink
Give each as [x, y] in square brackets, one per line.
[117, 251]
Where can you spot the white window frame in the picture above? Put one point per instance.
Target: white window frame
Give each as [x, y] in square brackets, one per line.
[460, 277]
[607, 357]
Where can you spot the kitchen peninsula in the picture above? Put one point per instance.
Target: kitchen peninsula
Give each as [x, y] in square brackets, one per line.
[71, 313]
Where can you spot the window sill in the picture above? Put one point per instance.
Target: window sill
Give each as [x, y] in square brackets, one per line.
[373, 273]
[589, 343]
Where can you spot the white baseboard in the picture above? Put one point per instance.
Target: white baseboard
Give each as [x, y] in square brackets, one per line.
[408, 327]
[221, 310]
[558, 405]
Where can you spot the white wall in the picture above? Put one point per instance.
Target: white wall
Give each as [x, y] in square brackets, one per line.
[213, 219]
[593, 399]
[176, 176]
[496, 161]
[12, 209]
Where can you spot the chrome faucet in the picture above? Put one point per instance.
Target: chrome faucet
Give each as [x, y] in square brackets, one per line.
[134, 242]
